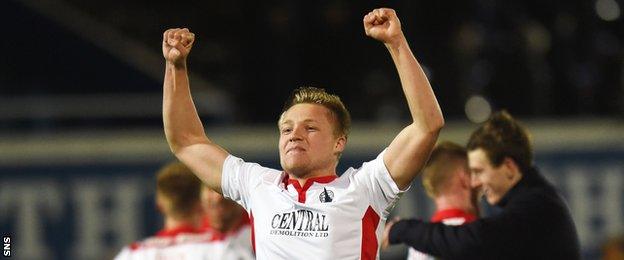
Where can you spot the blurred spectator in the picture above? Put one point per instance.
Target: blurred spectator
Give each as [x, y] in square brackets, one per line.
[178, 199]
[447, 182]
[228, 225]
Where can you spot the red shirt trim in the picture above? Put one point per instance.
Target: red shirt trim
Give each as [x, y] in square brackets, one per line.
[172, 232]
[167, 237]
[370, 222]
[253, 232]
[452, 213]
[301, 191]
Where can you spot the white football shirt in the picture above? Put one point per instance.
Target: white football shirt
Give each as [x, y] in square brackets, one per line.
[329, 217]
[190, 243]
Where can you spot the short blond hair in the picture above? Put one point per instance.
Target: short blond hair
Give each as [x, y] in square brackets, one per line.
[444, 159]
[312, 95]
[177, 184]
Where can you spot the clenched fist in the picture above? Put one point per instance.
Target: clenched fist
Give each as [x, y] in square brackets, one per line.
[177, 44]
[383, 25]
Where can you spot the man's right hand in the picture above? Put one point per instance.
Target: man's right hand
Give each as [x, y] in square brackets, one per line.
[385, 239]
[177, 44]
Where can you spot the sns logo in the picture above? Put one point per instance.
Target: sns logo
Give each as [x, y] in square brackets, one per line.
[6, 248]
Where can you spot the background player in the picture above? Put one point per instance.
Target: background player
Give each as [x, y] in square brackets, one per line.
[446, 180]
[228, 225]
[178, 200]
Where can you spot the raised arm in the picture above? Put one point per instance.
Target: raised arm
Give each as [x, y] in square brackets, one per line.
[183, 128]
[410, 149]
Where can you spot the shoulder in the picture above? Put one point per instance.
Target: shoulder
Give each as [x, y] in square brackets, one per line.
[170, 241]
[374, 165]
[539, 194]
[540, 205]
[238, 165]
[273, 176]
[233, 161]
[152, 242]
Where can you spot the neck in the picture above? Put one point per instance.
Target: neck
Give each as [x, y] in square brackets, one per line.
[455, 200]
[175, 222]
[229, 224]
[302, 178]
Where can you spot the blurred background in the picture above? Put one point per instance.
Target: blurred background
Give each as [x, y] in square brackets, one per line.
[80, 100]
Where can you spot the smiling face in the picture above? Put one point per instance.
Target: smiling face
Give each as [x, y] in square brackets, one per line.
[308, 144]
[490, 181]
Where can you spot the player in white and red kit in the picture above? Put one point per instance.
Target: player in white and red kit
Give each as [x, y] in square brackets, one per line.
[446, 180]
[216, 229]
[305, 211]
[227, 225]
[178, 199]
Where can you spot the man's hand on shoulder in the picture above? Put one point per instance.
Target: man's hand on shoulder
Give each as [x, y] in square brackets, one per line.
[385, 240]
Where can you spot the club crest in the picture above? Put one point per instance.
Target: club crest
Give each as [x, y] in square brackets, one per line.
[326, 196]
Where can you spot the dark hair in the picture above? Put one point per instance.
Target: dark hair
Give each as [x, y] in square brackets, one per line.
[312, 95]
[503, 137]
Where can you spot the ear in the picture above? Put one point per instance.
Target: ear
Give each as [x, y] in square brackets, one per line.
[341, 143]
[464, 178]
[511, 168]
[159, 204]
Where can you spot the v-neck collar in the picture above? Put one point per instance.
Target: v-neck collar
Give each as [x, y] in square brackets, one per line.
[301, 191]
